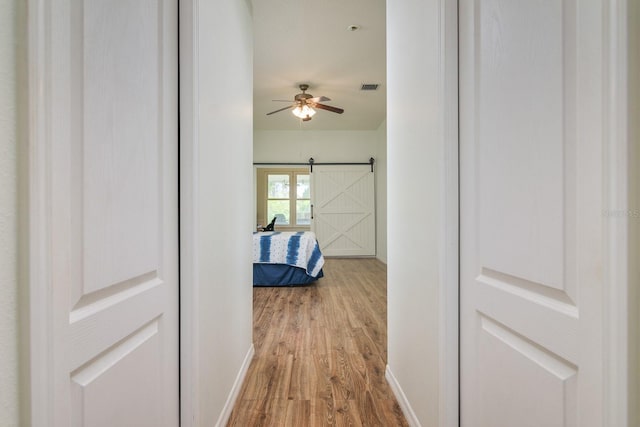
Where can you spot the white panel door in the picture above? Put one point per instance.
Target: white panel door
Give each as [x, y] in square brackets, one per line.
[114, 155]
[343, 209]
[531, 226]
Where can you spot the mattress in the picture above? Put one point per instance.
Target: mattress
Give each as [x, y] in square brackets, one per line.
[286, 258]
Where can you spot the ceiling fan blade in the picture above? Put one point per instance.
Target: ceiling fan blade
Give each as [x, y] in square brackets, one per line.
[319, 99]
[282, 109]
[328, 108]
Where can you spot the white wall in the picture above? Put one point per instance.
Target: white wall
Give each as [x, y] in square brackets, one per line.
[381, 193]
[634, 205]
[219, 274]
[8, 217]
[414, 156]
[331, 146]
[323, 146]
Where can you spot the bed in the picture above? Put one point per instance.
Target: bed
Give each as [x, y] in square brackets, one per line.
[286, 258]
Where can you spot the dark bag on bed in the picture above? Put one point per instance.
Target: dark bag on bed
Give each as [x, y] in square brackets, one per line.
[271, 225]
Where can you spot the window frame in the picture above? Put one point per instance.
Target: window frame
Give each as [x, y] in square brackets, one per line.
[262, 201]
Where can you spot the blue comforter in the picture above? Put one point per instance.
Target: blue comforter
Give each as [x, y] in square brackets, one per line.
[297, 249]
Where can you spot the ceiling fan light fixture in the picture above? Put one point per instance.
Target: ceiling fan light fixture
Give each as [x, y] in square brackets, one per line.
[303, 112]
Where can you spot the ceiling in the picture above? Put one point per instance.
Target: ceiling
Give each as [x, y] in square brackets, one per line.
[308, 41]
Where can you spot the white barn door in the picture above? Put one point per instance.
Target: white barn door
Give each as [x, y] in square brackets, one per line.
[531, 213]
[113, 213]
[343, 209]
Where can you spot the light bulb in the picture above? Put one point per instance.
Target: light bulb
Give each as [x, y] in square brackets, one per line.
[303, 111]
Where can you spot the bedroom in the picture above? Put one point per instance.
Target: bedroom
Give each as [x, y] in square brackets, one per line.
[283, 144]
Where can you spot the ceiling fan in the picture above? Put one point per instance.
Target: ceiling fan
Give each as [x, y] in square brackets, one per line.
[304, 104]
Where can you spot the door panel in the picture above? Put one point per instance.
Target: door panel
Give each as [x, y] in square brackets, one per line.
[507, 358]
[523, 90]
[137, 404]
[530, 208]
[343, 200]
[114, 213]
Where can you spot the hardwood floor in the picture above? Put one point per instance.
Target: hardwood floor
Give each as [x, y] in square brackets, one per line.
[321, 352]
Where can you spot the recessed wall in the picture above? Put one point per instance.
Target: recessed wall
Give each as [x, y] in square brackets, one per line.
[216, 217]
[415, 161]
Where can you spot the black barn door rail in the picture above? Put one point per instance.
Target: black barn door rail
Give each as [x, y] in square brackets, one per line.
[312, 162]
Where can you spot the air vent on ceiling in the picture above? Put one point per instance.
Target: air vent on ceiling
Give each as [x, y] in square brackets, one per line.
[369, 86]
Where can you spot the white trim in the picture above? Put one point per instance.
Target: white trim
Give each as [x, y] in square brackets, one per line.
[616, 227]
[189, 221]
[448, 342]
[40, 381]
[632, 38]
[407, 410]
[235, 390]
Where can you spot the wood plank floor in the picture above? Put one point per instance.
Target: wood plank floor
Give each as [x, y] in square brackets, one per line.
[321, 352]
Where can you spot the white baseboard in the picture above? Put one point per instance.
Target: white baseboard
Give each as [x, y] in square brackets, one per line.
[235, 390]
[402, 399]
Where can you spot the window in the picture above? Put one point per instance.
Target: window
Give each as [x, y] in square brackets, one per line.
[303, 199]
[286, 195]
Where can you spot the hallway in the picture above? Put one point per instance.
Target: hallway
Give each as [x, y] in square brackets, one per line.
[320, 352]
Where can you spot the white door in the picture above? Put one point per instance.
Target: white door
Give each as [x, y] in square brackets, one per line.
[531, 224]
[343, 209]
[114, 224]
